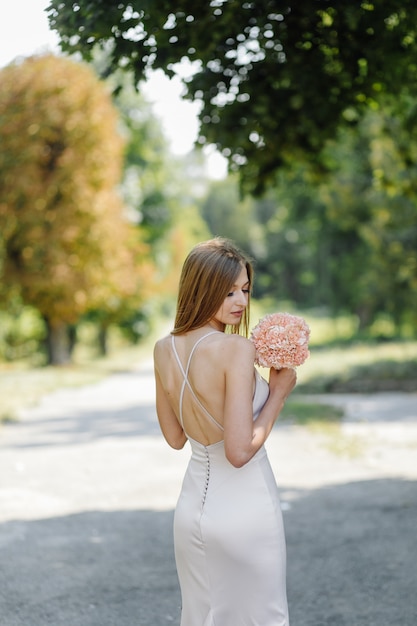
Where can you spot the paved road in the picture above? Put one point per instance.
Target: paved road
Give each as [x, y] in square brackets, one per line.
[88, 486]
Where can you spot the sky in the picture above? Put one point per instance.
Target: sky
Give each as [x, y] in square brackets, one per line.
[24, 31]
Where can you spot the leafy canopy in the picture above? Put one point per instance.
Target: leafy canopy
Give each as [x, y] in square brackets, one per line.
[275, 78]
[65, 244]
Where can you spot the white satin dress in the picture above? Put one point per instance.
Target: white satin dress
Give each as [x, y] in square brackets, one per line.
[228, 533]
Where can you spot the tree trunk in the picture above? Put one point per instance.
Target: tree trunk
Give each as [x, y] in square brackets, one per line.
[72, 338]
[102, 339]
[57, 343]
[364, 316]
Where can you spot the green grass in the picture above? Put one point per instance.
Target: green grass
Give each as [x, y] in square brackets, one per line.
[308, 412]
[361, 368]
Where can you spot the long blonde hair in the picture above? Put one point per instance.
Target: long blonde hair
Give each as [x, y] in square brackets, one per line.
[208, 274]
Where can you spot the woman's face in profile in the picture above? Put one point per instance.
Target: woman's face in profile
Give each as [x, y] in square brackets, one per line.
[231, 311]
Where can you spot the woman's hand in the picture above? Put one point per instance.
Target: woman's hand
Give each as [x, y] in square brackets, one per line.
[282, 382]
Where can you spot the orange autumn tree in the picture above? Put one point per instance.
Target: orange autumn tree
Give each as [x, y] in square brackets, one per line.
[65, 243]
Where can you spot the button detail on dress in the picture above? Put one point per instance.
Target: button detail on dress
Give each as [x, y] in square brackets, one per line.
[206, 484]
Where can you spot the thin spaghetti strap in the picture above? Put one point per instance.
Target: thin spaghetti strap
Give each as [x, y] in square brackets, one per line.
[185, 372]
[213, 332]
[186, 382]
[176, 355]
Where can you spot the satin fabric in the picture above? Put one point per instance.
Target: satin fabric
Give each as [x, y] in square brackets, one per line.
[229, 538]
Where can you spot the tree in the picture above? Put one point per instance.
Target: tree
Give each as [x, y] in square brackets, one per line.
[66, 246]
[147, 162]
[229, 215]
[370, 198]
[276, 79]
[348, 244]
[161, 190]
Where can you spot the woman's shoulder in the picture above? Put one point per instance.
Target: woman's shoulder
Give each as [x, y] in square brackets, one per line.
[239, 340]
[161, 345]
[237, 346]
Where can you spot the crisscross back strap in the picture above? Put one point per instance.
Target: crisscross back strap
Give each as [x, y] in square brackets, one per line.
[186, 382]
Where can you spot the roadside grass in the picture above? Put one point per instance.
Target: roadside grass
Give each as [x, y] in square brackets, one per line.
[309, 413]
[23, 384]
[323, 420]
[360, 367]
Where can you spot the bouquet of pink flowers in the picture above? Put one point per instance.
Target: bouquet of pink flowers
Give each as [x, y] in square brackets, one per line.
[281, 340]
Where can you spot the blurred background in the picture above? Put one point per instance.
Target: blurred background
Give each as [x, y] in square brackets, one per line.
[104, 188]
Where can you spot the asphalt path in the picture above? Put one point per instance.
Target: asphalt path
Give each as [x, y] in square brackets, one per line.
[88, 487]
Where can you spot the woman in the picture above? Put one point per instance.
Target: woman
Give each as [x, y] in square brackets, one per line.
[228, 530]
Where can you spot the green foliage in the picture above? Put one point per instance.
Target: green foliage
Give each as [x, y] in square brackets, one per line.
[60, 215]
[147, 163]
[275, 81]
[370, 201]
[227, 214]
[21, 333]
[157, 189]
[65, 245]
[346, 243]
[313, 102]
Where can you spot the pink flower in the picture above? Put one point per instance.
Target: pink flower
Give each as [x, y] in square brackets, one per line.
[281, 340]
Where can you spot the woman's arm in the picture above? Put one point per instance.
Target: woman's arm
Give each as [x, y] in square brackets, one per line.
[242, 436]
